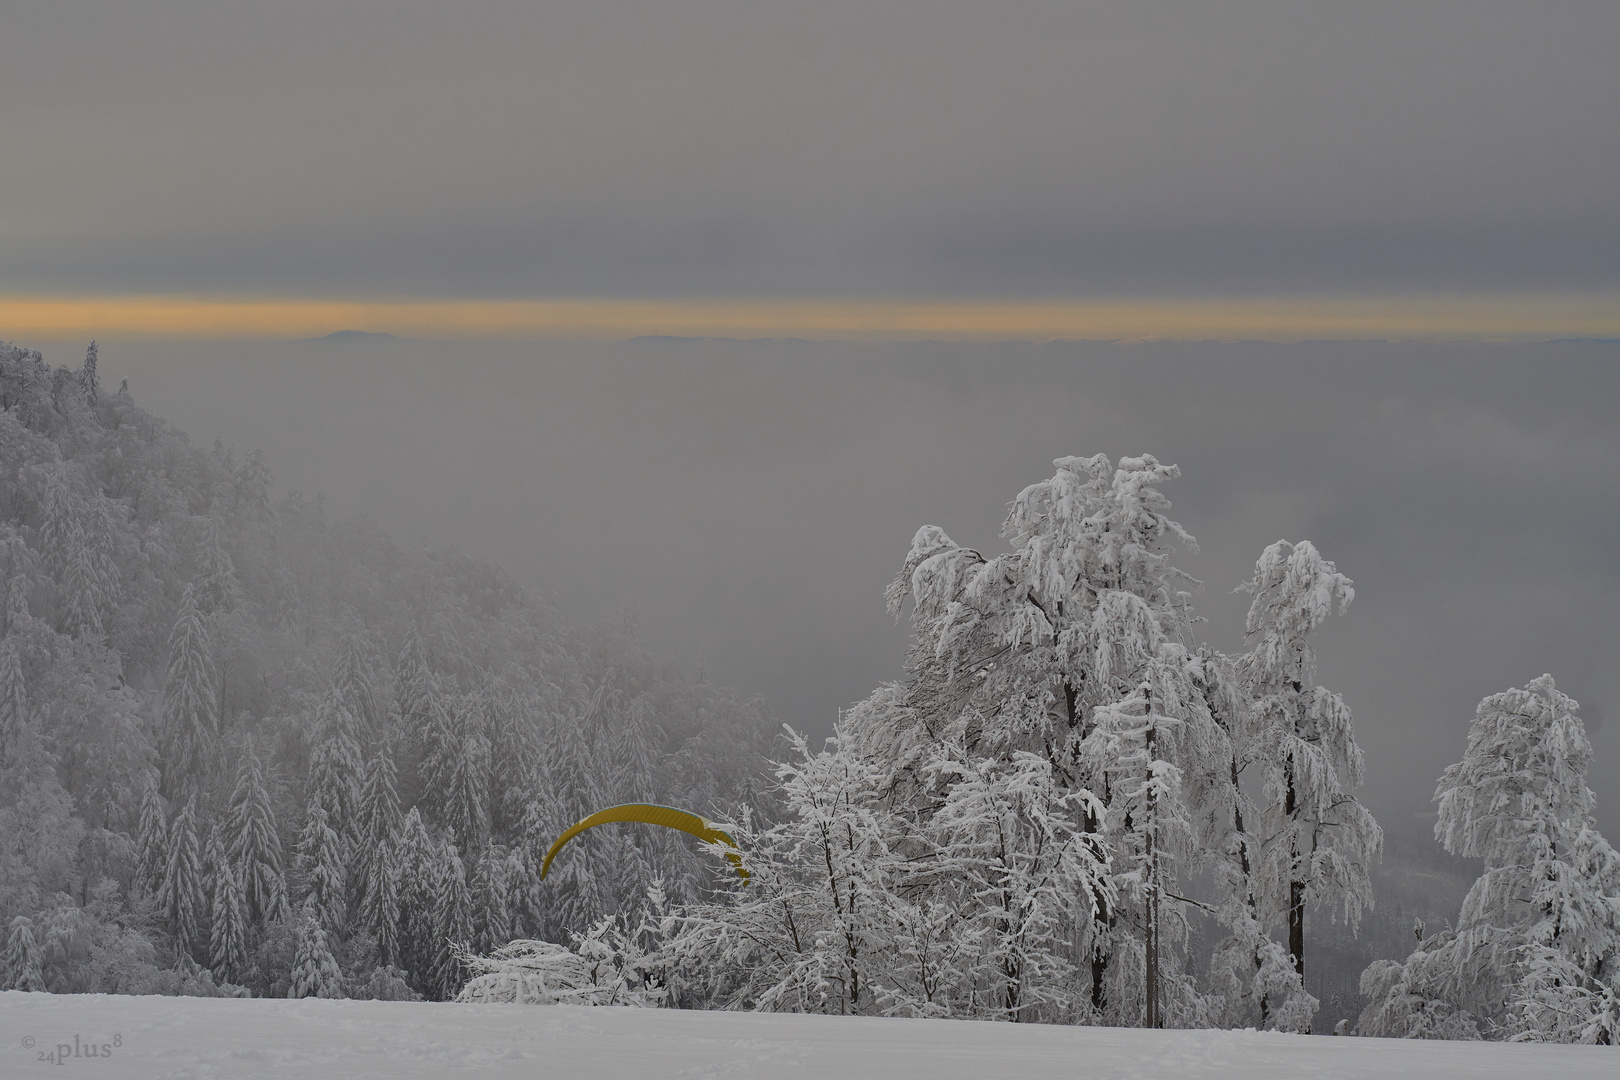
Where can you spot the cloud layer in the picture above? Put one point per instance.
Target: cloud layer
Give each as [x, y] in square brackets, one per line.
[716, 147]
[751, 501]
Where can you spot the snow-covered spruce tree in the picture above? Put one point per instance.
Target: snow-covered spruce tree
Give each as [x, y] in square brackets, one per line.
[322, 871]
[465, 773]
[183, 896]
[1019, 652]
[494, 916]
[380, 903]
[1535, 953]
[89, 379]
[374, 884]
[151, 844]
[255, 844]
[315, 971]
[15, 730]
[190, 706]
[452, 922]
[216, 588]
[353, 682]
[227, 931]
[515, 759]
[419, 708]
[417, 864]
[1317, 842]
[572, 893]
[23, 958]
[336, 771]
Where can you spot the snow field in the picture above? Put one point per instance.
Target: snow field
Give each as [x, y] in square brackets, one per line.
[171, 1037]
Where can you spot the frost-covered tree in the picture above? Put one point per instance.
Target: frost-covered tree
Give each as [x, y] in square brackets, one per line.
[315, 971]
[1026, 880]
[465, 773]
[380, 902]
[1317, 842]
[1535, 953]
[322, 870]
[183, 896]
[336, 771]
[216, 590]
[227, 932]
[418, 709]
[1034, 649]
[89, 379]
[190, 705]
[452, 921]
[372, 882]
[355, 687]
[255, 845]
[15, 729]
[417, 872]
[151, 844]
[494, 913]
[23, 957]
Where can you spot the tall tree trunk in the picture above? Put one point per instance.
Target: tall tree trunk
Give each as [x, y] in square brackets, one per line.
[1152, 943]
[1296, 893]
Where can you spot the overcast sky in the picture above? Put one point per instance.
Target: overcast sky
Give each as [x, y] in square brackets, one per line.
[750, 501]
[841, 147]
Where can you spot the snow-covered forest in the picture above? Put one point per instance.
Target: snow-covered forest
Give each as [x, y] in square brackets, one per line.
[251, 750]
[245, 748]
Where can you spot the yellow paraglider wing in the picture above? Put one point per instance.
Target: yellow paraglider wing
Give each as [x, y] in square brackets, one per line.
[667, 816]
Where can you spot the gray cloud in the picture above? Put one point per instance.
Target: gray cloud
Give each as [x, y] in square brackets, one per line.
[622, 146]
[751, 500]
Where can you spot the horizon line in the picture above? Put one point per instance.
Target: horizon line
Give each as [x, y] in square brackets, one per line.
[1453, 316]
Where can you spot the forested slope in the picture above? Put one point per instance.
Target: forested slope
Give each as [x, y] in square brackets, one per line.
[244, 743]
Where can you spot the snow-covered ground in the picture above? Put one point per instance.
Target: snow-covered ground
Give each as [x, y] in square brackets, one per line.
[310, 1039]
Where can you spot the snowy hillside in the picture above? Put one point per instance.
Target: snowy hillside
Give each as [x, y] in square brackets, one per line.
[312, 1038]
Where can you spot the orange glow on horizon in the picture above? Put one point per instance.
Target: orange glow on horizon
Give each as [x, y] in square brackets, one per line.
[1262, 319]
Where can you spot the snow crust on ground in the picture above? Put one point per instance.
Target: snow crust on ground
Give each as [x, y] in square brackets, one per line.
[314, 1038]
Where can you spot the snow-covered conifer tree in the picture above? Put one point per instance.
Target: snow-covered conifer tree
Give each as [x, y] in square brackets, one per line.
[321, 866]
[452, 921]
[376, 834]
[355, 687]
[572, 892]
[227, 936]
[420, 715]
[336, 771]
[23, 957]
[183, 896]
[151, 844]
[216, 589]
[255, 844]
[1317, 840]
[417, 876]
[380, 905]
[89, 378]
[58, 521]
[190, 705]
[515, 753]
[494, 917]
[15, 730]
[465, 775]
[315, 971]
